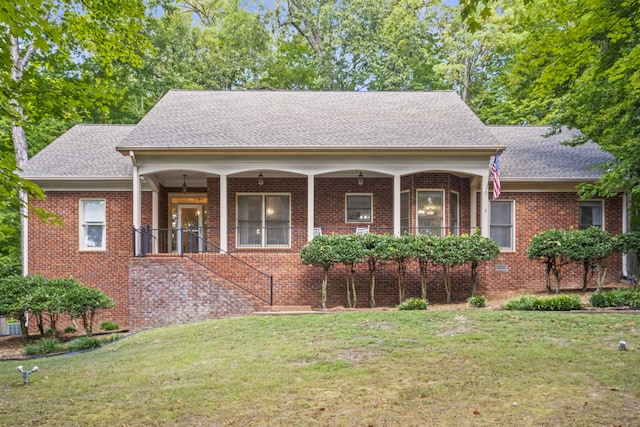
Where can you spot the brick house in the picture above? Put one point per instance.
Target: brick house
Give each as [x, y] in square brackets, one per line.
[201, 209]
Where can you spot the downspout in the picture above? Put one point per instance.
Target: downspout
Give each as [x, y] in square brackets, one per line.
[25, 242]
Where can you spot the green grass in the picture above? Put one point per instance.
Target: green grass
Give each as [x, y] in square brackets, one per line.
[405, 368]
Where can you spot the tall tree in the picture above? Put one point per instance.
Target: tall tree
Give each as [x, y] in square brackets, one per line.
[579, 65]
[43, 41]
[359, 44]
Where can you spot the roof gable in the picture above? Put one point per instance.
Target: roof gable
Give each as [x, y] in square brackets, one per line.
[308, 120]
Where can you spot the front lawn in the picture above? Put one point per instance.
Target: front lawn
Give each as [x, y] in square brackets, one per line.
[405, 368]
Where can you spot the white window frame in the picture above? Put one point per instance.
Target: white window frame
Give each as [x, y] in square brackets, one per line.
[263, 242]
[82, 224]
[442, 214]
[454, 229]
[512, 236]
[346, 208]
[406, 228]
[592, 202]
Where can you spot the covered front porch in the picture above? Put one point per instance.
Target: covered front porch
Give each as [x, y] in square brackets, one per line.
[253, 204]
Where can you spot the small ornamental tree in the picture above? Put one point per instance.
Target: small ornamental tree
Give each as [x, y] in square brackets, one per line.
[590, 247]
[479, 249]
[350, 251]
[46, 301]
[83, 302]
[401, 250]
[14, 297]
[374, 249]
[450, 252]
[320, 252]
[551, 248]
[425, 250]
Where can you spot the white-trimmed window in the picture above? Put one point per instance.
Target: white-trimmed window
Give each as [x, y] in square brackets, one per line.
[264, 220]
[405, 212]
[93, 224]
[358, 208]
[454, 213]
[501, 227]
[590, 214]
[430, 208]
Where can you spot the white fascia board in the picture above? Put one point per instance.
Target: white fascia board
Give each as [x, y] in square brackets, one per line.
[83, 183]
[391, 164]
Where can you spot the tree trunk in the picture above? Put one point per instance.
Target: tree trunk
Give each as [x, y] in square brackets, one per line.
[402, 269]
[602, 272]
[474, 278]
[325, 280]
[423, 280]
[18, 134]
[353, 290]
[447, 284]
[372, 290]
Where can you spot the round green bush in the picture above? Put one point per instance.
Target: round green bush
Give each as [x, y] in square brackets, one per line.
[477, 301]
[109, 326]
[414, 304]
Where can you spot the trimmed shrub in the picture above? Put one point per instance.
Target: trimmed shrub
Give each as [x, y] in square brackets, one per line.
[616, 298]
[83, 343]
[413, 304]
[553, 303]
[109, 326]
[44, 346]
[477, 301]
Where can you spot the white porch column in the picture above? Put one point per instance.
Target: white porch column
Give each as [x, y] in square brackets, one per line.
[474, 204]
[223, 213]
[154, 219]
[484, 206]
[137, 207]
[310, 206]
[396, 205]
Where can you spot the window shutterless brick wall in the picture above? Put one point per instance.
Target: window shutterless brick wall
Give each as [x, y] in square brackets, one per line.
[535, 213]
[54, 250]
[157, 291]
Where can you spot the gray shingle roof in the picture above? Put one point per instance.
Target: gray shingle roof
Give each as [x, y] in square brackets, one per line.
[531, 155]
[85, 151]
[281, 119]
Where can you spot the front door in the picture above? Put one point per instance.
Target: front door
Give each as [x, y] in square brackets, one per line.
[191, 233]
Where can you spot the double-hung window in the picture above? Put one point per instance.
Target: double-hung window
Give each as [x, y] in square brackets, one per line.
[454, 214]
[430, 212]
[405, 210]
[92, 224]
[590, 214]
[264, 220]
[501, 228]
[359, 208]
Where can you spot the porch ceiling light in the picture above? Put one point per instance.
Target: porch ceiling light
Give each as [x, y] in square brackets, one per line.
[184, 183]
[360, 179]
[260, 179]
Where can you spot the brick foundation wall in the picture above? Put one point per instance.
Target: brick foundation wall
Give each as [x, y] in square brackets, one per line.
[173, 290]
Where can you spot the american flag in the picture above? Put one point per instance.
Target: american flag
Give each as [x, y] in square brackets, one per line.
[495, 173]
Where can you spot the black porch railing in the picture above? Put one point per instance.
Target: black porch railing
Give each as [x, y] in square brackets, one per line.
[198, 239]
